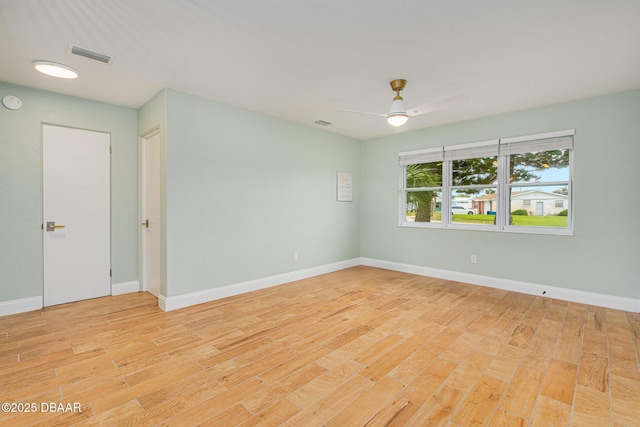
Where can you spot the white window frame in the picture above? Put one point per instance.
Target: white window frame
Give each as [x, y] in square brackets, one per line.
[415, 157]
[471, 150]
[543, 141]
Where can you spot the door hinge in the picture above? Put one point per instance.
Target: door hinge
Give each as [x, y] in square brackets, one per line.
[110, 272]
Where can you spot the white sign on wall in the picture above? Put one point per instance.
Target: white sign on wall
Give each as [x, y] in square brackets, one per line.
[344, 187]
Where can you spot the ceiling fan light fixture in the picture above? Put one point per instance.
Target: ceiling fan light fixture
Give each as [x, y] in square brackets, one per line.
[397, 115]
[55, 69]
[397, 120]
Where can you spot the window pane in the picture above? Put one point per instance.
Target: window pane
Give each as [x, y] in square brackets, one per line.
[424, 175]
[474, 206]
[543, 166]
[424, 206]
[548, 206]
[476, 171]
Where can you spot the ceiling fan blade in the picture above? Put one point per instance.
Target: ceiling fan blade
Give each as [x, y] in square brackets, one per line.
[360, 112]
[437, 104]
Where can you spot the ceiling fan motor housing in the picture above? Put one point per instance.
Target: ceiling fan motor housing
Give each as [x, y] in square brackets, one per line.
[398, 84]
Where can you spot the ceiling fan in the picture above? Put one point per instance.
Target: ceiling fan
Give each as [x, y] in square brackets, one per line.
[398, 114]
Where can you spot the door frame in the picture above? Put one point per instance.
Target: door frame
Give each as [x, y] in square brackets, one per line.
[142, 260]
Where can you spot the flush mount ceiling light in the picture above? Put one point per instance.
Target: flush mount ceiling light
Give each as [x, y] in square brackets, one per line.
[56, 70]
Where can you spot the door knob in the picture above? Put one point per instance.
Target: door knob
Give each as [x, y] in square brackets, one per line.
[51, 226]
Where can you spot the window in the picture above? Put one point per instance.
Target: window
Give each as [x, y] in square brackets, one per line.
[474, 173]
[422, 177]
[538, 170]
[515, 184]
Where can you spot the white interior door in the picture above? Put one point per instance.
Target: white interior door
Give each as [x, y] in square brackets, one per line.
[76, 209]
[151, 261]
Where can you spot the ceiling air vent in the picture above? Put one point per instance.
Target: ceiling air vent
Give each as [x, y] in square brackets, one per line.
[100, 57]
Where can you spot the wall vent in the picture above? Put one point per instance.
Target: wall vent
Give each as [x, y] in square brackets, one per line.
[90, 54]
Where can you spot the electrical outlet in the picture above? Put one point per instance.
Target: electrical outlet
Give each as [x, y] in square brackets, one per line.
[295, 255]
[474, 259]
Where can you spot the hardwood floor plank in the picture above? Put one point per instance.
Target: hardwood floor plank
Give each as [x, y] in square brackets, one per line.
[367, 405]
[468, 371]
[438, 410]
[481, 402]
[396, 413]
[621, 355]
[233, 416]
[550, 413]
[378, 349]
[281, 389]
[501, 418]
[111, 400]
[594, 372]
[208, 408]
[361, 346]
[559, 382]
[184, 386]
[426, 383]
[591, 407]
[412, 366]
[321, 386]
[625, 400]
[273, 416]
[505, 363]
[331, 403]
[568, 348]
[390, 360]
[522, 392]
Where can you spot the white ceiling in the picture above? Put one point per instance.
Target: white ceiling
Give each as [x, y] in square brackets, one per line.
[299, 59]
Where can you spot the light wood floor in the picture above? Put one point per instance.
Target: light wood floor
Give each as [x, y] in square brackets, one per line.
[358, 347]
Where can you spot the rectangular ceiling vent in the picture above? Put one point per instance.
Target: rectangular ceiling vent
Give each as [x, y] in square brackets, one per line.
[100, 57]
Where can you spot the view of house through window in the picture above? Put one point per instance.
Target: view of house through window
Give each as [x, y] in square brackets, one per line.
[519, 183]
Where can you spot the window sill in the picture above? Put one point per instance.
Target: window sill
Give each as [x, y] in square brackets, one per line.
[490, 228]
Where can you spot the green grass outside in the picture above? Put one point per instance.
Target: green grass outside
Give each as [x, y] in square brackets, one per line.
[518, 220]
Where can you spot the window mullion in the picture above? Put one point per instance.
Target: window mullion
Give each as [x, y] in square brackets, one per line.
[446, 192]
[502, 213]
[402, 194]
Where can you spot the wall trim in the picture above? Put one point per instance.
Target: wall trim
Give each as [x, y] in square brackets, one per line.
[565, 294]
[125, 287]
[186, 300]
[20, 305]
[193, 298]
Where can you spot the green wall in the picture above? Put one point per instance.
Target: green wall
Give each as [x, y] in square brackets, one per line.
[245, 190]
[21, 264]
[603, 254]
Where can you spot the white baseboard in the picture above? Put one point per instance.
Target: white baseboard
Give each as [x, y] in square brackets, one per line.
[36, 303]
[186, 300]
[565, 294]
[20, 305]
[125, 287]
